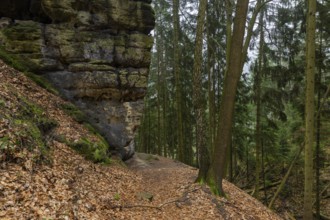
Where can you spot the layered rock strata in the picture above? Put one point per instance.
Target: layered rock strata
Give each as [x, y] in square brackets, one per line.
[97, 53]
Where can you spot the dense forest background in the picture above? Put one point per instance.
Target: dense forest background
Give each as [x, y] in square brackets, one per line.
[265, 156]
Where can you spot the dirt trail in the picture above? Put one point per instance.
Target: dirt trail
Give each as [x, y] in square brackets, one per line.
[172, 186]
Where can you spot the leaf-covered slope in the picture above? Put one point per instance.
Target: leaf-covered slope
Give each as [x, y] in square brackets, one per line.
[42, 177]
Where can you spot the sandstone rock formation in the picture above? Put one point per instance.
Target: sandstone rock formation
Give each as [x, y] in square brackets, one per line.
[97, 53]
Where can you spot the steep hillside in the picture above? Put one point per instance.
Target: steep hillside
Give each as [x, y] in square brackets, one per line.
[42, 177]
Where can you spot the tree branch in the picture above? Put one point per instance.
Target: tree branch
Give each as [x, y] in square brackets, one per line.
[182, 199]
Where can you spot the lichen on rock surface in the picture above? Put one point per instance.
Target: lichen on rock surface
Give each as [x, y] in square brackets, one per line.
[97, 53]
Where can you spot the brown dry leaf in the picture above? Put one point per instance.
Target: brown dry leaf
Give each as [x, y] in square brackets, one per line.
[3, 213]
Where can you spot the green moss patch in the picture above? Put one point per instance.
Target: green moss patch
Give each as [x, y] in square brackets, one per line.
[26, 30]
[12, 60]
[42, 82]
[94, 151]
[74, 112]
[17, 63]
[27, 132]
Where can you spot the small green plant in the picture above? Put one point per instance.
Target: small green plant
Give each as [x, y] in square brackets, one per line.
[4, 143]
[74, 112]
[116, 197]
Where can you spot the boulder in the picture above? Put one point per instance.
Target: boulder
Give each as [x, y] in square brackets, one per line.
[97, 53]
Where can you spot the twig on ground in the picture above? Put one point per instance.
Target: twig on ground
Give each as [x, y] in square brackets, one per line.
[183, 198]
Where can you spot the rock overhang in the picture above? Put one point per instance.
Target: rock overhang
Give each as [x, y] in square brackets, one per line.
[97, 53]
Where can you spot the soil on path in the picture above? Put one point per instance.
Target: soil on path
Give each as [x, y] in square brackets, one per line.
[172, 187]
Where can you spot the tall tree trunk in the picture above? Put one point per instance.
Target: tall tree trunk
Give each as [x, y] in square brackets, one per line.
[164, 104]
[211, 83]
[229, 26]
[217, 168]
[309, 110]
[317, 150]
[202, 150]
[318, 127]
[159, 88]
[229, 8]
[178, 95]
[258, 104]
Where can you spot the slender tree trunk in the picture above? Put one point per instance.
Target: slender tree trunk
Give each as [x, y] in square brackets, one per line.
[178, 101]
[198, 99]
[285, 178]
[318, 129]
[309, 110]
[159, 102]
[258, 104]
[250, 26]
[229, 26]
[317, 150]
[263, 172]
[211, 83]
[217, 168]
[259, 5]
[164, 83]
[247, 165]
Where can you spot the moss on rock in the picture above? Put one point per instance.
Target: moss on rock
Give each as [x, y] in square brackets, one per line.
[23, 31]
[94, 151]
[74, 112]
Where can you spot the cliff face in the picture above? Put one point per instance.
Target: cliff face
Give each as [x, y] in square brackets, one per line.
[97, 53]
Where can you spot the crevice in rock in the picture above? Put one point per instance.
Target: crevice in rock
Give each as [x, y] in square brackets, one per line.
[24, 10]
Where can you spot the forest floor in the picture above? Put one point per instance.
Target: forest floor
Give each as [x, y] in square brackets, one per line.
[71, 187]
[172, 185]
